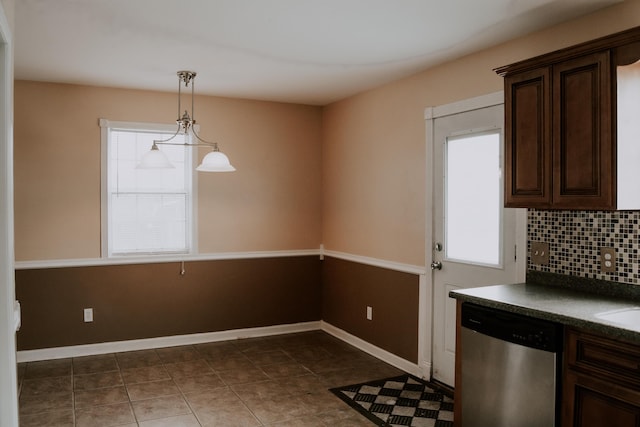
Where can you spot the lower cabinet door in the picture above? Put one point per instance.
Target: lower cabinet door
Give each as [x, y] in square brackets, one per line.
[590, 402]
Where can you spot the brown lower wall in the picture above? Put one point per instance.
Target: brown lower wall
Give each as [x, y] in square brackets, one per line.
[349, 287]
[153, 300]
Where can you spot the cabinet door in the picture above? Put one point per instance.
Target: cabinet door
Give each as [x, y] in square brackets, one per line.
[527, 139]
[589, 402]
[583, 152]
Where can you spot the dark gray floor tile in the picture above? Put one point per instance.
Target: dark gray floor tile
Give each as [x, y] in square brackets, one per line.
[100, 396]
[99, 380]
[238, 361]
[178, 354]
[148, 390]
[242, 376]
[269, 357]
[105, 415]
[94, 364]
[281, 370]
[178, 421]
[45, 403]
[256, 345]
[221, 407]
[160, 407]
[21, 369]
[145, 374]
[277, 408]
[260, 390]
[308, 354]
[344, 417]
[44, 386]
[62, 418]
[307, 421]
[192, 368]
[48, 368]
[302, 383]
[217, 350]
[138, 359]
[321, 401]
[199, 384]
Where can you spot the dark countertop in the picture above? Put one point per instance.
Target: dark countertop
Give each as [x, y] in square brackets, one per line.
[565, 305]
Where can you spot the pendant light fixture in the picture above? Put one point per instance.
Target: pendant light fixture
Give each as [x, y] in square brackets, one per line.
[214, 161]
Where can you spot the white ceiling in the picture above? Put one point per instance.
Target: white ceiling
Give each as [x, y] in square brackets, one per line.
[302, 51]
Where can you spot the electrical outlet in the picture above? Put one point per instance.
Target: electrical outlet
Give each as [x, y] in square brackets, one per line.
[608, 260]
[540, 253]
[88, 314]
[369, 313]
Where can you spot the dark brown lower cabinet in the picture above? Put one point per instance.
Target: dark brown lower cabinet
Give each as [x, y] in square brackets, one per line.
[593, 403]
[601, 383]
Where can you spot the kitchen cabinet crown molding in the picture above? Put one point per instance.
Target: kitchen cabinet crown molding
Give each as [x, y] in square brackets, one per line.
[628, 41]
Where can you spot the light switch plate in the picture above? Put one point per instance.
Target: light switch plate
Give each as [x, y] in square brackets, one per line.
[540, 253]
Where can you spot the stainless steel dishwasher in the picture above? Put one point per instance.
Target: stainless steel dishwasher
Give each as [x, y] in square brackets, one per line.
[510, 369]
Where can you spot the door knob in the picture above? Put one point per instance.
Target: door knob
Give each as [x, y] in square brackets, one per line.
[436, 265]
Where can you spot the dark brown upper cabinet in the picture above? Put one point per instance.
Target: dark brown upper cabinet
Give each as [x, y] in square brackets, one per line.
[560, 125]
[528, 138]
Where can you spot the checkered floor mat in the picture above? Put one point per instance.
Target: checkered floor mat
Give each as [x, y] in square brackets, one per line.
[400, 401]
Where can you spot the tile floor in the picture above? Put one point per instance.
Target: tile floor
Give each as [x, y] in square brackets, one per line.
[273, 381]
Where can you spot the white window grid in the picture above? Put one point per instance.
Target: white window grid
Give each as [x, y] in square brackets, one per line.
[161, 200]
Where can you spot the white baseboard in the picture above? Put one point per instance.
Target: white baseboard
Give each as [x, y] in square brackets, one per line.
[375, 351]
[172, 341]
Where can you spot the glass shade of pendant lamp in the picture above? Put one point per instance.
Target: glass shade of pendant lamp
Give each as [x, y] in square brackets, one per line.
[154, 159]
[215, 161]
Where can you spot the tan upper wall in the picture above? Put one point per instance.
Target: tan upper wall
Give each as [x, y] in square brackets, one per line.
[359, 162]
[374, 153]
[272, 201]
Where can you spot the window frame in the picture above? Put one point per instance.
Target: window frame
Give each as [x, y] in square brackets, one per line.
[106, 126]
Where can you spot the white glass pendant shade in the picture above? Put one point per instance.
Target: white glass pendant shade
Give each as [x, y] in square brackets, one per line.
[154, 159]
[215, 161]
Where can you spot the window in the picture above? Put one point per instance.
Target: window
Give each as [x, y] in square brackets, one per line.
[145, 211]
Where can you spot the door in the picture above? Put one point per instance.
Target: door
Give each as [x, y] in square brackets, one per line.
[8, 380]
[473, 235]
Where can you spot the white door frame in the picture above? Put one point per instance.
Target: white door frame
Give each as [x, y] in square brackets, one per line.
[426, 309]
[8, 319]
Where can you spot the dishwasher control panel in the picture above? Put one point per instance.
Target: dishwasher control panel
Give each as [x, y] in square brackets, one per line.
[512, 327]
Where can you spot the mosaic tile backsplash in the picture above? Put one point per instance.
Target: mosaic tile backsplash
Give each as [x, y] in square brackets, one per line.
[575, 239]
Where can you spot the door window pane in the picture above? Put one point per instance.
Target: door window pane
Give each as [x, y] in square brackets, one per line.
[473, 198]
